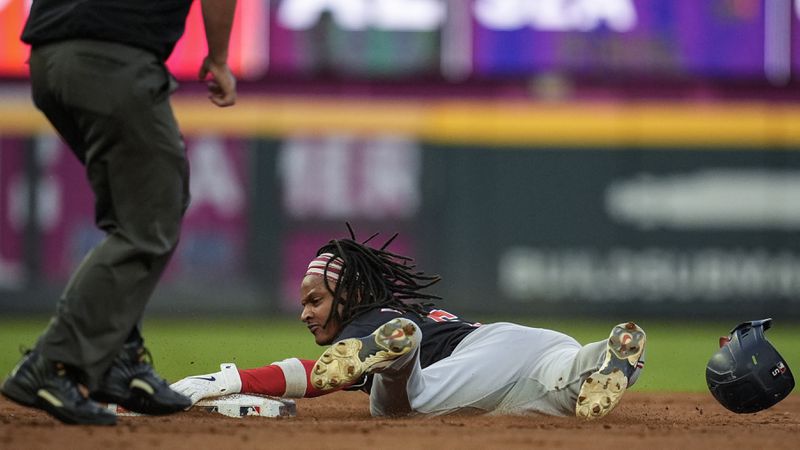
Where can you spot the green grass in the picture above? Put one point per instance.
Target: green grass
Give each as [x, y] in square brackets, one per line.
[677, 352]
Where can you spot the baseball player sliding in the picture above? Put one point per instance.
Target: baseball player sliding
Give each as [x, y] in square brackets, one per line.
[412, 358]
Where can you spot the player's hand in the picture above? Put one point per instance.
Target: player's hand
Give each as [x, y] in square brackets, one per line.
[220, 81]
[198, 387]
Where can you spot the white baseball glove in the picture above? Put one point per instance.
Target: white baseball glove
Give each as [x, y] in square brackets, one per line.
[198, 387]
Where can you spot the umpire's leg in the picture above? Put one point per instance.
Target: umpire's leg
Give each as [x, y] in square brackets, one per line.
[111, 103]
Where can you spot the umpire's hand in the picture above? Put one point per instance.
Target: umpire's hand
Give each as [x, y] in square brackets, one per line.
[220, 80]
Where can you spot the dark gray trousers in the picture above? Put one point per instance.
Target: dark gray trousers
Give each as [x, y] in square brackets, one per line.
[110, 103]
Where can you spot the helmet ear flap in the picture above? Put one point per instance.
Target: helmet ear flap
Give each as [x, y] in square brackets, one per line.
[747, 374]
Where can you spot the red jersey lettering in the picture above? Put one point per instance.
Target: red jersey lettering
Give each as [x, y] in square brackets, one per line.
[440, 315]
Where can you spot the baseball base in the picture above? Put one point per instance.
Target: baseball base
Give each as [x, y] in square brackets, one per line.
[240, 405]
[235, 405]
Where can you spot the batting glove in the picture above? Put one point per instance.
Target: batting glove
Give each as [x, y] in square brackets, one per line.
[198, 387]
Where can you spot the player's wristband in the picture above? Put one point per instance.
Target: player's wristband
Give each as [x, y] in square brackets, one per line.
[230, 378]
[296, 378]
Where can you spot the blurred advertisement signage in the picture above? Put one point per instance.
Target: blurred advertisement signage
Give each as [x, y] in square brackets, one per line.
[715, 37]
[721, 38]
[555, 15]
[387, 15]
[356, 38]
[765, 200]
[13, 54]
[702, 227]
[757, 208]
[406, 38]
[624, 274]
[13, 212]
[214, 227]
[430, 15]
[338, 177]
[249, 49]
[795, 18]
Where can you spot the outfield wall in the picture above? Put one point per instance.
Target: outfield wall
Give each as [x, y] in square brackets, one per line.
[661, 208]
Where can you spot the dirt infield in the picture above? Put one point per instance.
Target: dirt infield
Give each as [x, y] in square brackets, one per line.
[652, 421]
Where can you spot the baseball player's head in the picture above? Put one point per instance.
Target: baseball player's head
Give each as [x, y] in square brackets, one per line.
[348, 278]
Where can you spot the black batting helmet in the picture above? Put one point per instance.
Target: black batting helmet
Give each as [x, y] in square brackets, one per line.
[747, 374]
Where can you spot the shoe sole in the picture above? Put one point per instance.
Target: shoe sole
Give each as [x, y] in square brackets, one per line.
[48, 403]
[601, 392]
[347, 360]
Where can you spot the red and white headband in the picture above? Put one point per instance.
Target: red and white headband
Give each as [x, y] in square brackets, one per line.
[333, 263]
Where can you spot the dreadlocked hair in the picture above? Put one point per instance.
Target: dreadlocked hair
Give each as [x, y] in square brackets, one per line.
[375, 278]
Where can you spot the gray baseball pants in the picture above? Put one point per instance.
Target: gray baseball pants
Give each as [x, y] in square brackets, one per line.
[500, 368]
[110, 103]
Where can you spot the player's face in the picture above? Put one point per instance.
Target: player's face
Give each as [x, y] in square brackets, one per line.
[316, 300]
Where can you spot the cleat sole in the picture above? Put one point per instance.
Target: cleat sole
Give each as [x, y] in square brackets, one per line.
[601, 392]
[347, 360]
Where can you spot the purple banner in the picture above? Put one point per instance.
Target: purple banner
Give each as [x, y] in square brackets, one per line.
[290, 52]
[796, 38]
[69, 232]
[214, 228]
[343, 177]
[713, 37]
[213, 239]
[13, 212]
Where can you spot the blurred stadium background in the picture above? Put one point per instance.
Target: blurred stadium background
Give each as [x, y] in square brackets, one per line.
[549, 158]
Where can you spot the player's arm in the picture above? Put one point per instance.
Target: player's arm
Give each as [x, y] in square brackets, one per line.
[289, 378]
[218, 21]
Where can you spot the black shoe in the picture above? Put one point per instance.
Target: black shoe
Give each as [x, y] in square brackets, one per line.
[132, 383]
[49, 386]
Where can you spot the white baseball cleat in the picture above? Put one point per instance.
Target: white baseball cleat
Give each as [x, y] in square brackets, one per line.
[601, 391]
[347, 360]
